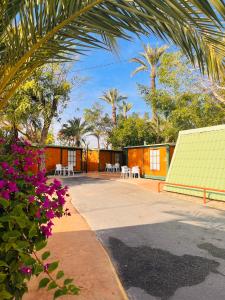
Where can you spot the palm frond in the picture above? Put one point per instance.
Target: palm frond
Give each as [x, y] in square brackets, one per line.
[34, 32]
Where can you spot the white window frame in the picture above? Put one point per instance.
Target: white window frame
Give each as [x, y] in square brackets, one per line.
[72, 157]
[155, 159]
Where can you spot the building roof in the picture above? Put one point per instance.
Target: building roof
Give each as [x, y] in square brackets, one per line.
[64, 147]
[150, 145]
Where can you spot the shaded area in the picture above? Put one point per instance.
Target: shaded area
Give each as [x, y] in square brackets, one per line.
[213, 250]
[82, 180]
[159, 272]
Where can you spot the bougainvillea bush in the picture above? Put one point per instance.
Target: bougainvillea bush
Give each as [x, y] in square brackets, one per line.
[28, 205]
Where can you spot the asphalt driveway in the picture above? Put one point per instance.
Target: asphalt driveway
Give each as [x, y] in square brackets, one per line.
[162, 247]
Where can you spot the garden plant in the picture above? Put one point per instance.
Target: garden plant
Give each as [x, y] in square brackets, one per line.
[28, 205]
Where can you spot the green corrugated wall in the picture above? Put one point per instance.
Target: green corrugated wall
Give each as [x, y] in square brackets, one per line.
[199, 159]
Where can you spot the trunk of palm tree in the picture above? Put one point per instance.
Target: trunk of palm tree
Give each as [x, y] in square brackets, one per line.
[155, 118]
[124, 113]
[114, 114]
[98, 141]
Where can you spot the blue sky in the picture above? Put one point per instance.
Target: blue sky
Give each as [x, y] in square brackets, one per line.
[101, 78]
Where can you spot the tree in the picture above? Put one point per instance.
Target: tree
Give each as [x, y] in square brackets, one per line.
[193, 111]
[125, 107]
[113, 97]
[74, 131]
[35, 33]
[99, 122]
[132, 131]
[41, 99]
[149, 62]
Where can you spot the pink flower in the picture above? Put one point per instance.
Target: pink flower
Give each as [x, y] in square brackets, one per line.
[5, 194]
[2, 184]
[31, 199]
[26, 270]
[50, 214]
[12, 187]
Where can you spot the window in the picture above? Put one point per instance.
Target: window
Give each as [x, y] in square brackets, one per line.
[72, 157]
[155, 160]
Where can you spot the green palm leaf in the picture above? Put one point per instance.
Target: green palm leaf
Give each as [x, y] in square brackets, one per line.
[35, 32]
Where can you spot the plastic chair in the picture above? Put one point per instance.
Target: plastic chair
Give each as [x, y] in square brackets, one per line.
[108, 167]
[124, 172]
[58, 169]
[70, 170]
[135, 171]
[117, 167]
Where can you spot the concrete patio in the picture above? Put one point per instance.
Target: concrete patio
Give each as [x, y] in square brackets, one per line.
[163, 246]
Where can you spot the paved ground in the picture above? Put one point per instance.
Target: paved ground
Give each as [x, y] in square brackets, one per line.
[163, 247]
[82, 258]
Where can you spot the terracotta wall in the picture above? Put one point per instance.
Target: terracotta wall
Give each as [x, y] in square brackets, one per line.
[141, 157]
[135, 158]
[52, 157]
[105, 157]
[93, 160]
[78, 160]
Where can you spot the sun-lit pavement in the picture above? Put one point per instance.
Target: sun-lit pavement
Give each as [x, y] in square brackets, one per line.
[163, 247]
[82, 258]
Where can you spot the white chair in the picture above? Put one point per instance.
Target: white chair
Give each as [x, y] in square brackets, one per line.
[117, 167]
[135, 171]
[70, 170]
[108, 167]
[125, 172]
[58, 169]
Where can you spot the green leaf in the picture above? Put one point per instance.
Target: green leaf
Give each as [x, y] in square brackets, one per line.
[67, 281]
[3, 264]
[38, 269]
[5, 295]
[43, 283]
[11, 235]
[27, 259]
[40, 245]
[45, 255]
[33, 231]
[58, 293]
[2, 277]
[59, 275]
[53, 266]
[4, 203]
[52, 286]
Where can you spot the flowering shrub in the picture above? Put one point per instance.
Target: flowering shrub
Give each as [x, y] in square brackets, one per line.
[27, 208]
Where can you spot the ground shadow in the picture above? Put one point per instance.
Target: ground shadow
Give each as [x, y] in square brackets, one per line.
[158, 271]
[213, 250]
[83, 180]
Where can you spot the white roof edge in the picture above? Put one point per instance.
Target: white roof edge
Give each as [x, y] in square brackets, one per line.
[203, 129]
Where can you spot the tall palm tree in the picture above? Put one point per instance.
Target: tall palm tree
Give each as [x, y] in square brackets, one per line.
[125, 107]
[149, 61]
[113, 97]
[74, 131]
[33, 33]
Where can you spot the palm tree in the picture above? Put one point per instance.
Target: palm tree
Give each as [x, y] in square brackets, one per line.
[73, 132]
[33, 33]
[149, 62]
[113, 97]
[125, 107]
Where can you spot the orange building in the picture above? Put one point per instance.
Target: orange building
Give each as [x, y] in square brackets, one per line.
[153, 160]
[63, 155]
[96, 160]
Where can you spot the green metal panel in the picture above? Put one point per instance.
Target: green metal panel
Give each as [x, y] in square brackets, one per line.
[199, 160]
[155, 177]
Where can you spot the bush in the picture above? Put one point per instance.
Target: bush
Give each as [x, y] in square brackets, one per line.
[27, 207]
